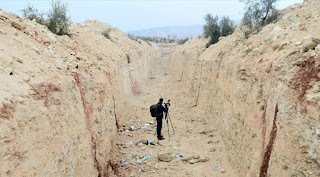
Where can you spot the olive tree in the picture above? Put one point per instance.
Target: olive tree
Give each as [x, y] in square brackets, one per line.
[215, 28]
[258, 14]
[226, 26]
[211, 29]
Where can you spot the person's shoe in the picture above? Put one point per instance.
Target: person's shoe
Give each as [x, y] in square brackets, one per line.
[161, 138]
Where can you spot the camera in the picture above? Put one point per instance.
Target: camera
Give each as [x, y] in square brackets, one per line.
[167, 104]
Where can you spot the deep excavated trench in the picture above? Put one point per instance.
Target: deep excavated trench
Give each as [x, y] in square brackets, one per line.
[79, 106]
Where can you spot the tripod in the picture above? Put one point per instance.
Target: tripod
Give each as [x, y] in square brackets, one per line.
[167, 117]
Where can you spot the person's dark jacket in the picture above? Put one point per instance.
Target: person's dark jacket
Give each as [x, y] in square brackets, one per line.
[161, 109]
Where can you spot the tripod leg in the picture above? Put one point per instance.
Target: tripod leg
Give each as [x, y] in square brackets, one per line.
[168, 129]
[171, 123]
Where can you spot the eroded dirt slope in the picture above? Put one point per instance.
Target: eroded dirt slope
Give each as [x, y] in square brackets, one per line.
[262, 92]
[62, 99]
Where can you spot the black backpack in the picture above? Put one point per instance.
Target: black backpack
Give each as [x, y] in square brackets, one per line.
[154, 110]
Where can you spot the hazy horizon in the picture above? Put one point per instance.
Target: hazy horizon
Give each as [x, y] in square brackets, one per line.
[130, 15]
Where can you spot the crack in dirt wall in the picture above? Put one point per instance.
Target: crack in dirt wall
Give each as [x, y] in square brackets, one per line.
[88, 110]
[264, 126]
[108, 75]
[267, 155]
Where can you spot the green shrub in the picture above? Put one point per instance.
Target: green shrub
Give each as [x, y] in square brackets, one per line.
[32, 13]
[58, 21]
[182, 41]
[106, 34]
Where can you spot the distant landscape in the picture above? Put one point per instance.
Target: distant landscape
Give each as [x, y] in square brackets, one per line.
[172, 32]
[179, 32]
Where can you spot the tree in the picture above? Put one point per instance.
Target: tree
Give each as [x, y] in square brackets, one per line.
[258, 14]
[215, 28]
[59, 22]
[211, 29]
[226, 26]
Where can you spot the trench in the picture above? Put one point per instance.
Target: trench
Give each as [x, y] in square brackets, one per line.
[191, 128]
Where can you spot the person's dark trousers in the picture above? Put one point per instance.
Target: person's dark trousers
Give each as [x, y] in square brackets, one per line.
[159, 126]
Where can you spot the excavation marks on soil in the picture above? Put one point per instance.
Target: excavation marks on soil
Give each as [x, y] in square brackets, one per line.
[188, 141]
[194, 135]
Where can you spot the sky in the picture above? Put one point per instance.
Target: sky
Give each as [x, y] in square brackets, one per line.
[142, 14]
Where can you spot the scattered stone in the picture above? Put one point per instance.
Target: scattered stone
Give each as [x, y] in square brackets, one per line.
[165, 157]
[3, 17]
[193, 161]
[222, 170]
[204, 159]
[59, 63]
[310, 43]
[140, 144]
[275, 46]
[17, 25]
[186, 159]
[46, 43]
[3, 31]
[298, 43]
[318, 48]
[281, 46]
[80, 56]
[196, 156]
[18, 59]
[318, 133]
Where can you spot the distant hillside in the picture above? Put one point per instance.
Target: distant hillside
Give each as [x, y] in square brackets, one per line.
[170, 31]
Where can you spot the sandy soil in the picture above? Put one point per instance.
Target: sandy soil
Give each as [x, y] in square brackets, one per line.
[193, 135]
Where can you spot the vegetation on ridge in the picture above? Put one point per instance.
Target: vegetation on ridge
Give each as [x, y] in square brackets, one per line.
[258, 14]
[215, 28]
[57, 20]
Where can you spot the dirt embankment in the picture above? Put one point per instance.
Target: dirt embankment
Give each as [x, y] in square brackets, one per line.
[263, 93]
[62, 99]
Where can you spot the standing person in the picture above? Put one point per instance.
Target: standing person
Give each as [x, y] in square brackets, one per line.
[161, 109]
